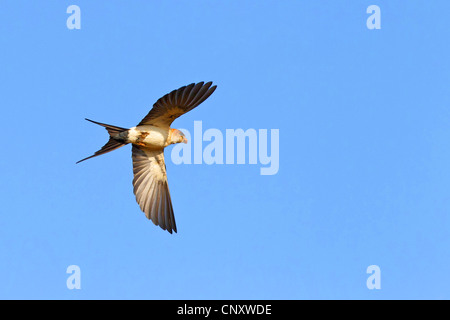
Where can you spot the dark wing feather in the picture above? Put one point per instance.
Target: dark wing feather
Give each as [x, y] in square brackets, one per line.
[177, 103]
[151, 187]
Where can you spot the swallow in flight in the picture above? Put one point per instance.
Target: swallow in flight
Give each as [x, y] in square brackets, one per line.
[148, 139]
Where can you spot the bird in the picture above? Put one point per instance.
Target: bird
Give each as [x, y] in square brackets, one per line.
[149, 139]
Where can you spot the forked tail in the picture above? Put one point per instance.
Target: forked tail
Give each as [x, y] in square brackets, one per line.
[112, 143]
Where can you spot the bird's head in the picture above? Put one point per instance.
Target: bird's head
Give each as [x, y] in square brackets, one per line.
[177, 136]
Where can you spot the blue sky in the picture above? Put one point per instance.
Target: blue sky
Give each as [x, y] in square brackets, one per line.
[364, 176]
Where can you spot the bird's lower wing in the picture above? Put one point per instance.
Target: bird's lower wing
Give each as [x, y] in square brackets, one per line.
[151, 187]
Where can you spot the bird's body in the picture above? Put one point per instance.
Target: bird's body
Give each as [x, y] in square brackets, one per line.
[149, 138]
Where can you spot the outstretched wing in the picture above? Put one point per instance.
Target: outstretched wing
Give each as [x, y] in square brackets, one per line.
[151, 187]
[176, 103]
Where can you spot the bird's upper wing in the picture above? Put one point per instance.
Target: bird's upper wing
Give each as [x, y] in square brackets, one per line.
[151, 187]
[176, 103]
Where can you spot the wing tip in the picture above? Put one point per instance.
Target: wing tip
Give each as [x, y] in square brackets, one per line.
[169, 228]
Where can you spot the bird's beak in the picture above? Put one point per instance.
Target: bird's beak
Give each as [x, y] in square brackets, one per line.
[185, 140]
